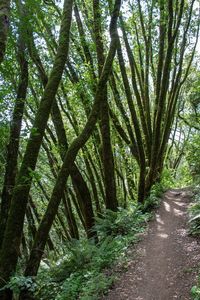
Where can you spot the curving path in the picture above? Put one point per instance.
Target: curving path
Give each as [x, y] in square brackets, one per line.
[164, 264]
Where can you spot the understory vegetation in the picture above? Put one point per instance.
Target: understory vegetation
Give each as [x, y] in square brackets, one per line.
[82, 273]
[194, 210]
[85, 269]
[194, 229]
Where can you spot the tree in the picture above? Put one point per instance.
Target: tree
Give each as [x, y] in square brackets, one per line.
[156, 78]
[14, 227]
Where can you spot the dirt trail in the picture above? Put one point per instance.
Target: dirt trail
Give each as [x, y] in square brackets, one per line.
[165, 262]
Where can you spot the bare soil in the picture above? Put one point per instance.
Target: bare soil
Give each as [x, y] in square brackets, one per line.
[164, 265]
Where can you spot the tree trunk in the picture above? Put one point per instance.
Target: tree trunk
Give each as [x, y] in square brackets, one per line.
[107, 154]
[77, 144]
[13, 145]
[4, 24]
[80, 186]
[14, 228]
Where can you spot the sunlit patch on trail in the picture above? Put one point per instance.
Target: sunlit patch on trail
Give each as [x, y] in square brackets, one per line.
[158, 219]
[177, 212]
[167, 206]
[163, 235]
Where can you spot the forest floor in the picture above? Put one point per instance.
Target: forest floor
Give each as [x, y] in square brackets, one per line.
[164, 264]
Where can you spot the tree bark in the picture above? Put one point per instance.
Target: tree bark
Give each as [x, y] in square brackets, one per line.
[77, 144]
[4, 26]
[13, 145]
[107, 154]
[14, 228]
[80, 186]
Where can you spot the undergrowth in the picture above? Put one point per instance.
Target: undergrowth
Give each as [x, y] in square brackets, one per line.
[85, 271]
[195, 291]
[194, 213]
[153, 200]
[194, 229]
[82, 273]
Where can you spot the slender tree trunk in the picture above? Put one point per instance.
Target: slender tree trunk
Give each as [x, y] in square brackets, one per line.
[13, 145]
[78, 181]
[4, 24]
[73, 228]
[14, 228]
[77, 144]
[136, 124]
[107, 154]
[94, 188]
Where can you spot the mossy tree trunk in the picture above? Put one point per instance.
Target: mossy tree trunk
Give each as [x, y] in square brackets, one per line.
[76, 145]
[13, 145]
[4, 26]
[107, 153]
[152, 112]
[14, 227]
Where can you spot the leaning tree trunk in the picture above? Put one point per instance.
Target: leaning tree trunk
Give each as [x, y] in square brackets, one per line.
[13, 145]
[14, 228]
[78, 181]
[77, 144]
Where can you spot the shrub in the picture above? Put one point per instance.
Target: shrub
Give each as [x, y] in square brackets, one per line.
[121, 222]
[194, 214]
[195, 291]
[19, 283]
[153, 199]
[81, 274]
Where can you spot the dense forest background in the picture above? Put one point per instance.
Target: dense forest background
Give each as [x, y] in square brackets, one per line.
[99, 111]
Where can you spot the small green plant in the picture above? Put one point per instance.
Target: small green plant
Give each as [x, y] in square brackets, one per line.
[194, 229]
[195, 291]
[167, 179]
[121, 222]
[19, 283]
[96, 286]
[153, 199]
[88, 285]
[194, 214]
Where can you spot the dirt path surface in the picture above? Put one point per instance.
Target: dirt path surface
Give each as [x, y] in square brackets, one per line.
[165, 262]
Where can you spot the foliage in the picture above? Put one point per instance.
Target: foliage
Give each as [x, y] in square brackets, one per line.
[194, 222]
[167, 180]
[18, 283]
[194, 212]
[119, 223]
[193, 157]
[195, 291]
[81, 274]
[153, 199]
[190, 113]
[183, 175]
[4, 133]
[86, 284]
